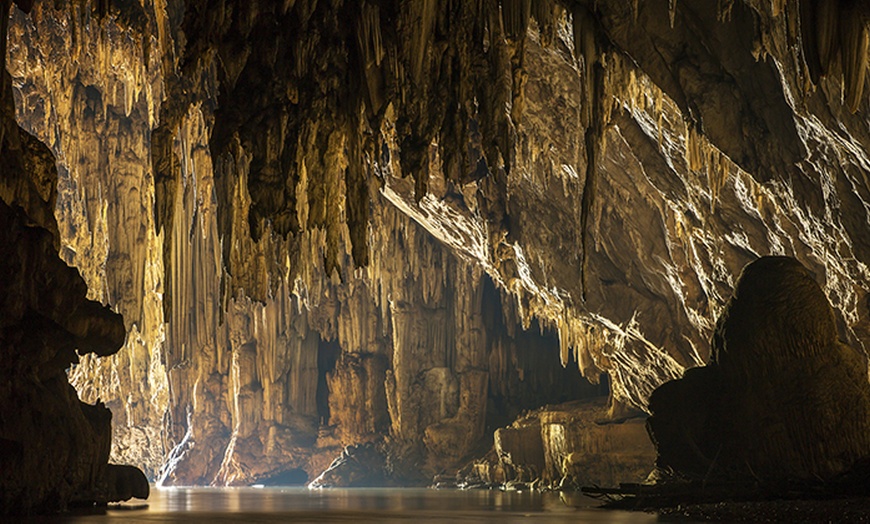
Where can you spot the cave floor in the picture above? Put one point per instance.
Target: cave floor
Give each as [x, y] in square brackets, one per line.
[840, 510]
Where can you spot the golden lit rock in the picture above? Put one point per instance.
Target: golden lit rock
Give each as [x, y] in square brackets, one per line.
[335, 223]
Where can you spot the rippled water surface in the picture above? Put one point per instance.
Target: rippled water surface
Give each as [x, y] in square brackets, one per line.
[292, 505]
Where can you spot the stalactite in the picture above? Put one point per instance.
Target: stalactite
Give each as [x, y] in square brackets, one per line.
[854, 45]
[371, 47]
[724, 9]
[825, 25]
[593, 120]
[515, 17]
[546, 13]
[810, 39]
[586, 52]
[703, 157]
[422, 14]
[777, 7]
[819, 21]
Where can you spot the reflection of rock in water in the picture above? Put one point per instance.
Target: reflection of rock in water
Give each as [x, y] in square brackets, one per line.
[783, 397]
[357, 467]
[289, 477]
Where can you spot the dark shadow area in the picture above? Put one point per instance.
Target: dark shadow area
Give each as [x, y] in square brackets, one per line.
[525, 367]
[327, 355]
[290, 477]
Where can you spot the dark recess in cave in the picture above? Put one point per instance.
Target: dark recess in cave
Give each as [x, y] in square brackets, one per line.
[535, 376]
[290, 477]
[327, 355]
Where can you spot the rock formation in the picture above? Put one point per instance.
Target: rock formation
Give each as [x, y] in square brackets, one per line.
[782, 399]
[332, 223]
[357, 467]
[566, 446]
[54, 449]
[125, 482]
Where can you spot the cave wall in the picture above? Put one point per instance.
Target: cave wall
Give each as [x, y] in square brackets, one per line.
[54, 448]
[247, 184]
[89, 98]
[214, 387]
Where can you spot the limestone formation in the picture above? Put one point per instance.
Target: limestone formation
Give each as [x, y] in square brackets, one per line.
[332, 223]
[783, 399]
[54, 449]
[125, 482]
[358, 466]
[565, 446]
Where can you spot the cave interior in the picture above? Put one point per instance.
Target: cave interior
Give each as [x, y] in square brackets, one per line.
[405, 243]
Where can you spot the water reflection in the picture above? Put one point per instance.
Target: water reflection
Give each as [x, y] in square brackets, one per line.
[218, 505]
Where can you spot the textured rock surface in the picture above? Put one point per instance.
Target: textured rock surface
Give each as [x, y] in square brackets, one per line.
[357, 467]
[567, 445]
[54, 449]
[782, 399]
[312, 214]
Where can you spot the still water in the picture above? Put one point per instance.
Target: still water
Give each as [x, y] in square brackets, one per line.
[292, 505]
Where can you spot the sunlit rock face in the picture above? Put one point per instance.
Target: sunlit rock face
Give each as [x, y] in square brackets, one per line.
[782, 399]
[336, 223]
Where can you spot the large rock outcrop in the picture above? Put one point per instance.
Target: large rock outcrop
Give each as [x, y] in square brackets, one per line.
[311, 214]
[783, 398]
[54, 448]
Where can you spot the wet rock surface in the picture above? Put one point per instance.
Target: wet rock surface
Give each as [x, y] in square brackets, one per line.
[783, 399]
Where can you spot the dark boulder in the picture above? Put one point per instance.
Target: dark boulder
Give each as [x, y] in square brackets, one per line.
[125, 482]
[782, 399]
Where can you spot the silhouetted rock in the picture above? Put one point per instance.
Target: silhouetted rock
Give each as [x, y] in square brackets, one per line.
[55, 448]
[125, 482]
[783, 397]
